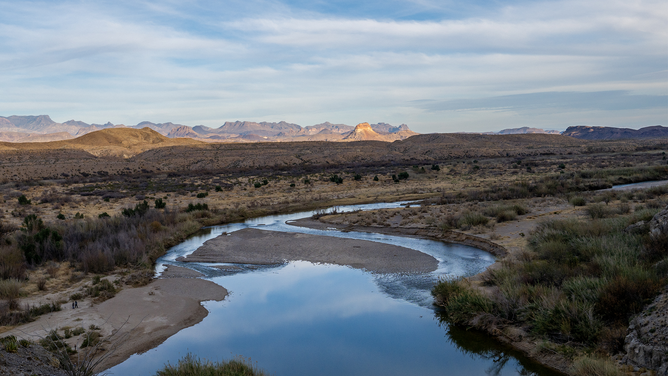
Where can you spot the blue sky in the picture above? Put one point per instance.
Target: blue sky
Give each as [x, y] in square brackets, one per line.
[438, 66]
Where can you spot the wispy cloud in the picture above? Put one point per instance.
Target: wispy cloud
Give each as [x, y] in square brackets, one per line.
[200, 62]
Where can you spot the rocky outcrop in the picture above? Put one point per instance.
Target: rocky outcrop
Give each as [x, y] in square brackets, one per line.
[659, 223]
[646, 344]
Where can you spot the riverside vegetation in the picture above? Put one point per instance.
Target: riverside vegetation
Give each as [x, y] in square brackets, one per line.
[102, 224]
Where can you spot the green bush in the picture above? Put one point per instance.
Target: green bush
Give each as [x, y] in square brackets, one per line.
[23, 200]
[357, 177]
[104, 215]
[403, 175]
[219, 188]
[139, 210]
[203, 194]
[195, 207]
[336, 179]
[375, 178]
[193, 366]
[435, 167]
[60, 216]
[257, 184]
[159, 204]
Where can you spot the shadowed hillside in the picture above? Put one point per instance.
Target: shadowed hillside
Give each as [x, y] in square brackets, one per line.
[127, 151]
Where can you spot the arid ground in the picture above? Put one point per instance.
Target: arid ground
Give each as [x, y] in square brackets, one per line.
[81, 207]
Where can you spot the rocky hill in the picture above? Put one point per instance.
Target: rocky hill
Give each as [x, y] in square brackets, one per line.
[123, 142]
[609, 133]
[363, 132]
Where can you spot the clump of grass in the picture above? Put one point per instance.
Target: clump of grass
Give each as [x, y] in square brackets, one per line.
[597, 211]
[10, 289]
[470, 219]
[459, 302]
[587, 366]
[10, 343]
[578, 201]
[91, 338]
[191, 365]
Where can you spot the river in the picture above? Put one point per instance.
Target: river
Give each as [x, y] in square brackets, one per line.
[300, 318]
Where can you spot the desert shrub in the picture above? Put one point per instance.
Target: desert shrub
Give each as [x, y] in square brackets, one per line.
[403, 175]
[104, 215]
[191, 365]
[505, 216]
[460, 303]
[44, 308]
[578, 201]
[12, 265]
[587, 366]
[159, 204]
[78, 215]
[60, 216]
[625, 296]
[23, 200]
[336, 179]
[10, 343]
[41, 284]
[470, 219]
[357, 177]
[218, 189]
[38, 242]
[97, 261]
[257, 184]
[10, 289]
[76, 296]
[196, 207]
[103, 290]
[139, 210]
[156, 226]
[435, 167]
[204, 194]
[91, 338]
[375, 178]
[597, 211]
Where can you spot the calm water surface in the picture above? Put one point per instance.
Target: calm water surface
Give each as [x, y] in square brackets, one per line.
[301, 318]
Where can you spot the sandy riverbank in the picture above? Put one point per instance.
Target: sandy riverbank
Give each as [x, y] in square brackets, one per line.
[153, 312]
[252, 246]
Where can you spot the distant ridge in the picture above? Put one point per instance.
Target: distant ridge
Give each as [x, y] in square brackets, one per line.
[43, 128]
[123, 142]
[584, 132]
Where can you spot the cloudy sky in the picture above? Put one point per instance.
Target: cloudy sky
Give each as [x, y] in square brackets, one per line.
[438, 66]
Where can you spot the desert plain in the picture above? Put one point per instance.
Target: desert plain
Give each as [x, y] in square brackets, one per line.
[109, 203]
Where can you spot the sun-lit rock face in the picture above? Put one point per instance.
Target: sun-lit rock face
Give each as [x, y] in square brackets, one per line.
[363, 132]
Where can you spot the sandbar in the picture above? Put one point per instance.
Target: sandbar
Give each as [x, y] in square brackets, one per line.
[253, 246]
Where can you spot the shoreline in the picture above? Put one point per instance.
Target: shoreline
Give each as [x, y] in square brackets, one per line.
[513, 337]
[150, 314]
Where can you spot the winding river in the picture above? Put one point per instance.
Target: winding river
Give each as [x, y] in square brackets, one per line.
[300, 318]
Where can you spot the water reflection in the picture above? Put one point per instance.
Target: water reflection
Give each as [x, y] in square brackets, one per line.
[304, 319]
[478, 345]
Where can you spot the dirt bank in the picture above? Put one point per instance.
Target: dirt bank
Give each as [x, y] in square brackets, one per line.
[252, 246]
[153, 313]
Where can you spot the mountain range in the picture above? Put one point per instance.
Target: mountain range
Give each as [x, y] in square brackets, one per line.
[42, 128]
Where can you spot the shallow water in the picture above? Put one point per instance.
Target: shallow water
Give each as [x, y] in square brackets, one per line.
[641, 185]
[301, 318]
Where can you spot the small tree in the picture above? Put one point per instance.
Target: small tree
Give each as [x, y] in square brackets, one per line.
[23, 200]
